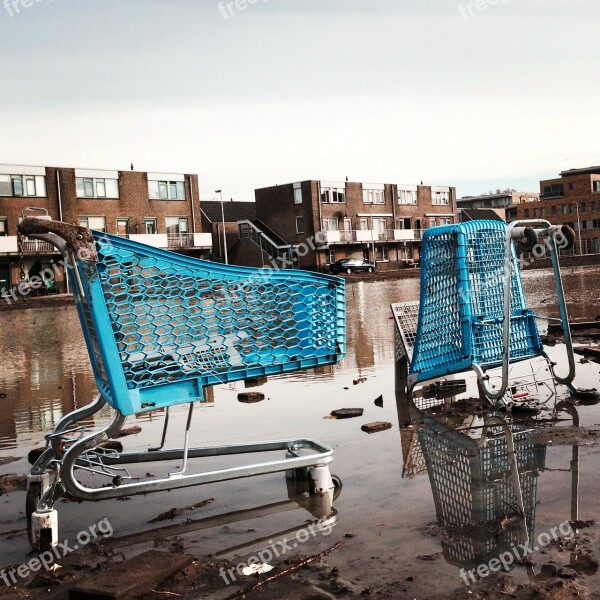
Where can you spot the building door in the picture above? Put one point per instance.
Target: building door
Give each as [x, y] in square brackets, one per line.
[348, 233]
[4, 276]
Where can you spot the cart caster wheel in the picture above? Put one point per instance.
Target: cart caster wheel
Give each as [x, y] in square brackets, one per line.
[337, 486]
[568, 238]
[43, 530]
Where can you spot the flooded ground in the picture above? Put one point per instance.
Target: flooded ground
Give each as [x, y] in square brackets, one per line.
[394, 493]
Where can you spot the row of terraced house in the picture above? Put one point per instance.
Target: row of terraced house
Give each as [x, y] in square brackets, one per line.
[305, 224]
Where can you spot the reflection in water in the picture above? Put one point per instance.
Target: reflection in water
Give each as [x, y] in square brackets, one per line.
[467, 460]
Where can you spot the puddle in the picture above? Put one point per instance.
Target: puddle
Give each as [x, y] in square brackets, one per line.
[409, 506]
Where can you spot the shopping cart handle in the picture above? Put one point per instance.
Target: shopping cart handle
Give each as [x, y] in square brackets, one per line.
[79, 238]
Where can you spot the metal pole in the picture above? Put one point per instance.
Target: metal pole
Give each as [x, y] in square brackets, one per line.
[578, 226]
[223, 222]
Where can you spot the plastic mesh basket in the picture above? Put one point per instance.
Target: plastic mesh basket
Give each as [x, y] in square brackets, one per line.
[473, 493]
[160, 326]
[462, 299]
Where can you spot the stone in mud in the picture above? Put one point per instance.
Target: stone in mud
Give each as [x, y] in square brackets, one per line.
[567, 573]
[376, 426]
[347, 413]
[379, 401]
[250, 397]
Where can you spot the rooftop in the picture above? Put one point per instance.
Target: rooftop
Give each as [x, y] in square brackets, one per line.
[584, 171]
[233, 211]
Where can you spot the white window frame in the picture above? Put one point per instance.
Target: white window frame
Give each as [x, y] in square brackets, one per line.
[373, 196]
[327, 224]
[408, 196]
[153, 222]
[331, 195]
[297, 193]
[166, 190]
[299, 229]
[385, 254]
[85, 222]
[3, 226]
[103, 188]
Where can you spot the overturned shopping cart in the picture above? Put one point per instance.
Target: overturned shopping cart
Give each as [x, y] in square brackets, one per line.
[472, 314]
[160, 327]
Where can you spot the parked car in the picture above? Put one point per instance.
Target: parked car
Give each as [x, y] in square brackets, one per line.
[351, 265]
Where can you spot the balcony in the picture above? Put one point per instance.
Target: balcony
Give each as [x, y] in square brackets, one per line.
[9, 245]
[170, 241]
[367, 236]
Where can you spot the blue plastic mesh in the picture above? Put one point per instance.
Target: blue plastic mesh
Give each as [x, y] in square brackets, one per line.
[473, 492]
[462, 298]
[161, 326]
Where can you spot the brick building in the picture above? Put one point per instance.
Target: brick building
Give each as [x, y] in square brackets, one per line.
[326, 221]
[503, 203]
[574, 199]
[159, 209]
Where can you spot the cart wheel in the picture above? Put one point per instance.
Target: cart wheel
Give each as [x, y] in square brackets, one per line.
[528, 241]
[337, 483]
[34, 493]
[348, 271]
[370, 270]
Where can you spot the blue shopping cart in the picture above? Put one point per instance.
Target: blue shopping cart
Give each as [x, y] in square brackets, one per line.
[472, 313]
[160, 327]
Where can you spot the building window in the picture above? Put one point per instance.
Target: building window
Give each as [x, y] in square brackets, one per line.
[150, 226]
[594, 205]
[166, 190]
[440, 198]
[381, 253]
[330, 224]
[596, 187]
[23, 186]
[551, 191]
[543, 212]
[333, 195]
[176, 224]
[95, 223]
[527, 213]
[373, 196]
[444, 220]
[554, 211]
[571, 209]
[363, 224]
[297, 193]
[407, 196]
[404, 223]
[123, 227]
[3, 227]
[536, 212]
[570, 187]
[91, 187]
[565, 209]
[299, 224]
[331, 256]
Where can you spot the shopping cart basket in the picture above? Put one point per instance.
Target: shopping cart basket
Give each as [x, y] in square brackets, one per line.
[472, 312]
[159, 328]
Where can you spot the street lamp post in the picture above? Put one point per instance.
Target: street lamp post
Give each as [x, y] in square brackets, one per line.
[220, 192]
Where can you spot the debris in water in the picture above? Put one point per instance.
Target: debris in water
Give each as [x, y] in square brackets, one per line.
[175, 512]
[257, 569]
[379, 401]
[434, 556]
[376, 426]
[250, 397]
[347, 413]
[359, 380]
[128, 431]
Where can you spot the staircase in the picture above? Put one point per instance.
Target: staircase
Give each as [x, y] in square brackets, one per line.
[274, 251]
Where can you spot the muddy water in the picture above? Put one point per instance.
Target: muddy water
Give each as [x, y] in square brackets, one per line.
[45, 373]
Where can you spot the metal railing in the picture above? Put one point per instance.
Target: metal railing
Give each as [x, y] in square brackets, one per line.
[361, 236]
[180, 240]
[249, 230]
[30, 246]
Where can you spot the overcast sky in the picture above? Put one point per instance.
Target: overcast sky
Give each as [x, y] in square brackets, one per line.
[394, 91]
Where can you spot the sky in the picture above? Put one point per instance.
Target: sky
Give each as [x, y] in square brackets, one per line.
[478, 94]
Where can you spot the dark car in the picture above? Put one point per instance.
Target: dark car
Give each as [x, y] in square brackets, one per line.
[351, 265]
